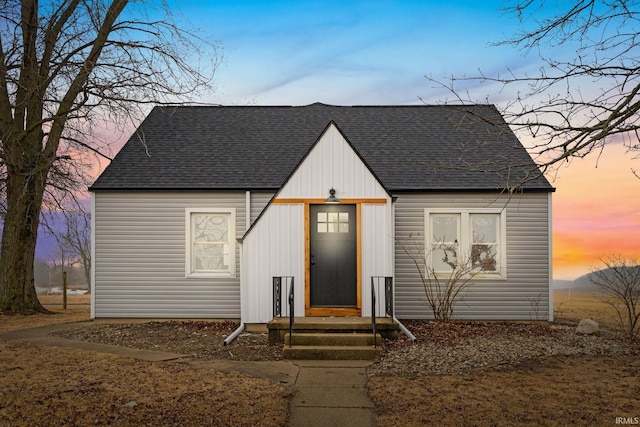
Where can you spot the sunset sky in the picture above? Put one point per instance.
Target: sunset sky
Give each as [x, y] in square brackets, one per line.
[378, 52]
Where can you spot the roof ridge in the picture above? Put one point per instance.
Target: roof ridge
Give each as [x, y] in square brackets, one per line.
[321, 104]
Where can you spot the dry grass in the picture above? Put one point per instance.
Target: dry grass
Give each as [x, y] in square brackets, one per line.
[550, 391]
[77, 311]
[575, 307]
[51, 386]
[586, 391]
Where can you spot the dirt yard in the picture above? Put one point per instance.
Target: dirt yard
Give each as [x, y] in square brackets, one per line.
[490, 374]
[51, 386]
[577, 389]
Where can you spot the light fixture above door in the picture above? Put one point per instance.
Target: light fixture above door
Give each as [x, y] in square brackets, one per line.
[332, 199]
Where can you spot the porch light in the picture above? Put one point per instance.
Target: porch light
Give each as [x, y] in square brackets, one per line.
[332, 197]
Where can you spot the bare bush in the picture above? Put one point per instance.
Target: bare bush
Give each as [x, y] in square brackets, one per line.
[620, 281]
[444, 290]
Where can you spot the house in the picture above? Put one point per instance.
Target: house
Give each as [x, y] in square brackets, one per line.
[204, 206]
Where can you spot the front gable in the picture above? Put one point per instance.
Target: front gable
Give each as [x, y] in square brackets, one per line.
[277, 244]
[332, 162]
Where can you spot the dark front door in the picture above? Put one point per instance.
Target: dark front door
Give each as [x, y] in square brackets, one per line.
[333, 256]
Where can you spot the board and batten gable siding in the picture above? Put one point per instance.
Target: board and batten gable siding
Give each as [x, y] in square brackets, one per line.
[332, 163]
[377, 252]
[274, 247]
[139, 256]
[522, 295]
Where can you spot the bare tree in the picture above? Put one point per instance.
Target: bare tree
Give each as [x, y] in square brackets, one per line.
[575, 106]
[79, 239]
[444, 290]
[73, 238]
[620, 280]
[66, 67]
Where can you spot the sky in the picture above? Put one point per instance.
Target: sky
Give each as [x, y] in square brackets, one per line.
[378, 53]
[347, 53]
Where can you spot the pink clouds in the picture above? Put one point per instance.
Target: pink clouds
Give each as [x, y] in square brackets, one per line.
[596, 210]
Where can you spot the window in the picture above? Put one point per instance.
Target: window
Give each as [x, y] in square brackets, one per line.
[476, 236]
[210, 243]
[484, 241]
[445, 238]
[333, 222]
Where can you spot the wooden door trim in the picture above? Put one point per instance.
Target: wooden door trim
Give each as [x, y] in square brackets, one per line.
[294, 201]
[329, 311]
[307, 258]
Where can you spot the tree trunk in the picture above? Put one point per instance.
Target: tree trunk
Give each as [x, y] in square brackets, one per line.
[17, 284]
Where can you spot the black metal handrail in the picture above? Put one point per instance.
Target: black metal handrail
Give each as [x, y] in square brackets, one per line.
[388, 296]
[278, 282]
[277, 297]
[291, 312]
[387, 282]
[373, 312]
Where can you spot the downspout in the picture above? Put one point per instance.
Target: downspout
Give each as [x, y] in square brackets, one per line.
[247, 210]
[240, 328]
[404, 330]
[234, 334]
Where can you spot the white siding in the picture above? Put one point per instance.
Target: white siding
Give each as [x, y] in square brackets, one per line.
[275, 247]
[139, 257]
[377, 252]
[332, 164]
[528, 273]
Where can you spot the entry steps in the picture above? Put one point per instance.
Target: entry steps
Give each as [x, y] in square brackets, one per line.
[331, 338]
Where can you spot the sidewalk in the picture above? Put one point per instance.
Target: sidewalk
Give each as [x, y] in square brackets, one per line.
[326, 392]
[331, 393]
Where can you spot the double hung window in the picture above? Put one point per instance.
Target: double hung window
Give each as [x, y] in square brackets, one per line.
[472, 237]
[210, 244]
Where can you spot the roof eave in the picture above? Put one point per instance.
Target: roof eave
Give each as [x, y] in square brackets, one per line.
[473, 190]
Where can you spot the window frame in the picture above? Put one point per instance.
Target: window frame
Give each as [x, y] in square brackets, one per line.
[466, 237]
[189, 272]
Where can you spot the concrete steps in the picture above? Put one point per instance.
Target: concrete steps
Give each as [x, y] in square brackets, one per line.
[333, 338]
[332, 346]
[341, 338]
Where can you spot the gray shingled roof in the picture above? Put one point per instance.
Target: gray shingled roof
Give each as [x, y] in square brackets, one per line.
[428, 148]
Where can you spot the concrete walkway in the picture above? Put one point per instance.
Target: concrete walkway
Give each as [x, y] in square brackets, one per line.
[331, 393]
[326, 392]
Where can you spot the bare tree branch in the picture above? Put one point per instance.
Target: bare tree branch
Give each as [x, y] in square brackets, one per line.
[576, 106]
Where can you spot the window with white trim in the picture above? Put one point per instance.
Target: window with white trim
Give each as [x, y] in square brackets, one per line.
[475, 236]
[444, 241]
[210, 242]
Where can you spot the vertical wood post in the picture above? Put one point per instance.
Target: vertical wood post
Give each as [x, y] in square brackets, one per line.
[64, 290]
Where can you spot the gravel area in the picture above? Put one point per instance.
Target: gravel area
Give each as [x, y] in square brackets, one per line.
[441, 349]
[196, 339]
[461, 347]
